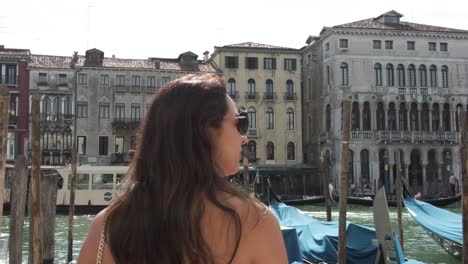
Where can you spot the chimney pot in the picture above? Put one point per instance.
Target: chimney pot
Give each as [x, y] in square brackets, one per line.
[206, 56]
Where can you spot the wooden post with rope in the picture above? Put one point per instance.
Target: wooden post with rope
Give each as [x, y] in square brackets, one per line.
[4, 115]
[343, 203]
[399, 196]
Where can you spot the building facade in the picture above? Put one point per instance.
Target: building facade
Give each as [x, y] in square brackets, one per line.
[265, 81]
[112, 95]
[14, 75]
[405, 82]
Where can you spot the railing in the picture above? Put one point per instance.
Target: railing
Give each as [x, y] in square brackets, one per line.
[150, 89]
[424, 91]
[234, 95]
[126, 122]
[413, 90]
[251, 96]
[12, 120]
[417, 136]
[252, 133]
[8, 80]
[121, 157]
[401, 90]
[62, 84]
[136, 88]
[42, 83]
[120, 88]
[270, 96]
[48, 117]
[362, 135]
[290, 96]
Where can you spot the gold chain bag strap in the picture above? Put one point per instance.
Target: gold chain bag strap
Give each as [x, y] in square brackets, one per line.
[100, 253]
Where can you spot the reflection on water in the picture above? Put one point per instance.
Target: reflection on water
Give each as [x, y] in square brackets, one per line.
[417, 244]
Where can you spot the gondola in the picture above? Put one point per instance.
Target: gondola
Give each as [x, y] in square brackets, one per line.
[369, 200]
[304, 201]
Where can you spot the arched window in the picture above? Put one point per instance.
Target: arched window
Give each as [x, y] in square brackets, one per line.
[366, 117]
[67, 139]
[270, 151]
[425, 117]
[380, 116]
[344, 73]
[252, 149]
[414, 117]
[391, 116]
[378, 74]
[270, 118]
[355, 116]
[252, 113]
[423, 75]
[412, 75]
[457, 109]
[446, 118]
[241, 109]
[290, 119]
[328, 118]
[232, 88]
[251, 89]
[403, 117]
[269, 88]
[289, 89]
[401, 75]
[365, 175]
[433, 75]
[435, 117]
[444, 71]
[291, 151]
[390, 75]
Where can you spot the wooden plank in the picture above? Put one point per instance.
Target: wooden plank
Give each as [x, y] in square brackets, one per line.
[4, 107]
[17, 209]
[343, 203]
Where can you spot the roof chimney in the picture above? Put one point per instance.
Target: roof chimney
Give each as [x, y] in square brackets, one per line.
[113, 56]
[157, 64]
[2, 47]
[205, 56]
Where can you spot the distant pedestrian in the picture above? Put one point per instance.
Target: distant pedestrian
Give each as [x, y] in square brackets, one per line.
[453, 184]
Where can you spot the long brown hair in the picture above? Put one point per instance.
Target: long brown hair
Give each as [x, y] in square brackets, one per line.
[158, 218]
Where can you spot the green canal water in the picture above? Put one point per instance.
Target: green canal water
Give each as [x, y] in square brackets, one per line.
[417, 244]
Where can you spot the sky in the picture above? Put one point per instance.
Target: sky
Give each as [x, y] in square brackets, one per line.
[142, 29]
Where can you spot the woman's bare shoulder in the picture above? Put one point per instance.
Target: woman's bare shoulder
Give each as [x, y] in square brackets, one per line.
[89, 250]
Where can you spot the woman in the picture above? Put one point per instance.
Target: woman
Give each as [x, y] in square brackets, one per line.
[178, 207]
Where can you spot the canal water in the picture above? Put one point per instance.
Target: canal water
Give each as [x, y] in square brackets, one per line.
[417, 244]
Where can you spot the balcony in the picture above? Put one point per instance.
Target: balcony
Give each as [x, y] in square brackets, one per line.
[362, 136]
[121, 157]
[251, 96]
[234, 95]
[8, 80]
[252, 133]
[56, 118]
[150, 89]
[417, 137]
[42, 83]
[120, 88]
[290, 96]
[136, 88]
[62, 84]
[270, 96]
[125, 123]
[12, 120]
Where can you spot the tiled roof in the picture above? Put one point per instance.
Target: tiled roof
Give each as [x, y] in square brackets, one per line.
[372, 23]
[14, 52]
[49, 61]
[254, 45]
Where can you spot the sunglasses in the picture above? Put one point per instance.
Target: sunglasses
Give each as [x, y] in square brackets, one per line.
[242, 122]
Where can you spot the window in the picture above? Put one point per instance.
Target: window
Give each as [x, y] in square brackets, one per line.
[135, 81]
[291, 151]
[67, 139]
[82, 181]
[269, 89]
[151, 82]
[119, 111]
[62, 80]
[328, 74]
[355, 116]
[252, 114]
[251, 63]
[290, 89]
[377, 44]
[366, 117]
[410, 45]
[104, 80]
[290, 119]
[231, 62]
[82, 109]
[42, 78]
[68, 106]
[270, 151]
[232, 88]
[390, 75]
[422, 76]
[412, 75]
[290, 64]
[443, 46]
[119, 145]
[104, 110]
[444, 71]
[103, 145]
[378, 74]
[343, 43]
[165, 80]
[270, 118]
[81, 145]
[269, 63]
[135, 112]
[344, 73]
[327, 46]
[328, 118]
[120, 80]
[251, 89]
[11, 74]
[133, 142]
[432, 46]
[102, 181]
[389, 44]
[252, 148]
[433, 75]
[401, 75]
[82, 79]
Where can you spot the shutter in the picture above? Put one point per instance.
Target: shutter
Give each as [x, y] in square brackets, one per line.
[274, 63]
[294, 64]
[236, 62]
[226, 62]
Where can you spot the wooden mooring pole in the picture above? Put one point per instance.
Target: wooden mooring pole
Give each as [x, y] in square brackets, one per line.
[49, 201]
[343, 203]
[71, 212]
[17, 209]
[326, 190]
[462, 116]
[36, 182]
[399, 196]
[4, 115]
